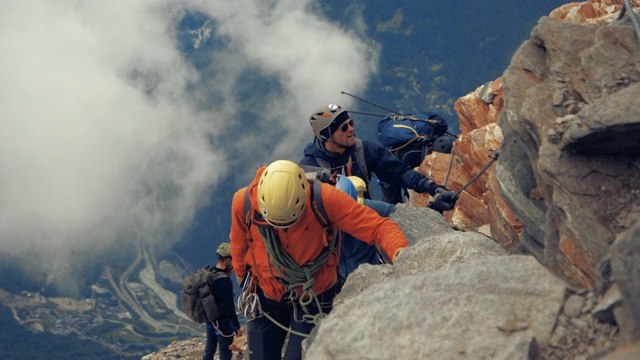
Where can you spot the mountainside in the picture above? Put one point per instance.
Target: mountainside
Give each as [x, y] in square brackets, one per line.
[119, 256]
[563, 282]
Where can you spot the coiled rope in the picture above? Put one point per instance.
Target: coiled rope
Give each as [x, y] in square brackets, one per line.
[216, 326]
[291, 275]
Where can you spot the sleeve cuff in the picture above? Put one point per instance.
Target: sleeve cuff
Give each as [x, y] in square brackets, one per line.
[395, 255]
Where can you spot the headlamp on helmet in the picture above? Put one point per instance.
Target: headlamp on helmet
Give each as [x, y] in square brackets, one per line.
[324, 116]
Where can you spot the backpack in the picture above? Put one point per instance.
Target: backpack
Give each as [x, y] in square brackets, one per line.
[409, 137]
[331, 238]
[197, 297]
[331, 241]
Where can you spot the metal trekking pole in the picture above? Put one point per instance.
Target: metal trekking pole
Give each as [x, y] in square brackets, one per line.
[437, 199]
[494, 157]
[370, 103]
[364, 113]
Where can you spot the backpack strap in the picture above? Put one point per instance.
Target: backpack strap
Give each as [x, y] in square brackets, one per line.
[361, 161]
[253, 217]
[322, 163]
[318, 210]
[317, 205]
[248, 218]
[247, 208]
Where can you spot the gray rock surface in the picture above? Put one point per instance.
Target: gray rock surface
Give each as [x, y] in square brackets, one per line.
[571, 156]
[570, 126]
[626, 269]
[451, 295]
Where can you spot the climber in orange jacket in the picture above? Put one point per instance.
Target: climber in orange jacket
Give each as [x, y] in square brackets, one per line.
[292, 257]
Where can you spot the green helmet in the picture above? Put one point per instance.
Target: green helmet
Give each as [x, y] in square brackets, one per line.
[224, 250]
[323, 116]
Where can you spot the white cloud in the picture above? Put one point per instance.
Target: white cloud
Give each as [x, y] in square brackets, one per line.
[313, 58]
[100, 138]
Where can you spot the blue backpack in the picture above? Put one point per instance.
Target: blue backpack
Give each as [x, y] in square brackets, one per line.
[409, 137]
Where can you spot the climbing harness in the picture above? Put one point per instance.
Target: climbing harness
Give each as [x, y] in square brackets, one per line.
[289, 273]
[248, 301]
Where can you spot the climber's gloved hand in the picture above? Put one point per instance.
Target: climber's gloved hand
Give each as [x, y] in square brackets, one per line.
[444, 200]
[432, 188]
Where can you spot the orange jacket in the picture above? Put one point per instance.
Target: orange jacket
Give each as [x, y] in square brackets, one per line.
[304, 240]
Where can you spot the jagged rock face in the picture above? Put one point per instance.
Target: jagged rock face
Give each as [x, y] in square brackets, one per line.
[480, 203]
[625, 257]
[570, 155]
[457, 295]
[568, 143]
[590, 11]
[566, 185]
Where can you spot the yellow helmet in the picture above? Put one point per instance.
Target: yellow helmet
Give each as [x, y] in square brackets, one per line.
[282, 193]
[361, 187]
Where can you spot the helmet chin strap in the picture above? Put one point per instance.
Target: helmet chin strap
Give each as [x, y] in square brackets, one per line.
[336, 148]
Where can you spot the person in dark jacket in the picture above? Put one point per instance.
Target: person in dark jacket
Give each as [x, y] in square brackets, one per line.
[355, 252]
[336, 148]
[222, 332]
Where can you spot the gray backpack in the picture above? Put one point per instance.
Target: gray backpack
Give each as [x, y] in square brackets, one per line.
[197, 297]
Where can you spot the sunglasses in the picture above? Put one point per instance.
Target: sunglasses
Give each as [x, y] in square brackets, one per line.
[345, 126]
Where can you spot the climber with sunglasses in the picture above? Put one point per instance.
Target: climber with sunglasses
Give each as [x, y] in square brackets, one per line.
[336, 148]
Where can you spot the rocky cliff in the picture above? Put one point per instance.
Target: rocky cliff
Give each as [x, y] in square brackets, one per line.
[556, 275]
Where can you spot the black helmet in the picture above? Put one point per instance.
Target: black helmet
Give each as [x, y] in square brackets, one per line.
[442, 144]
